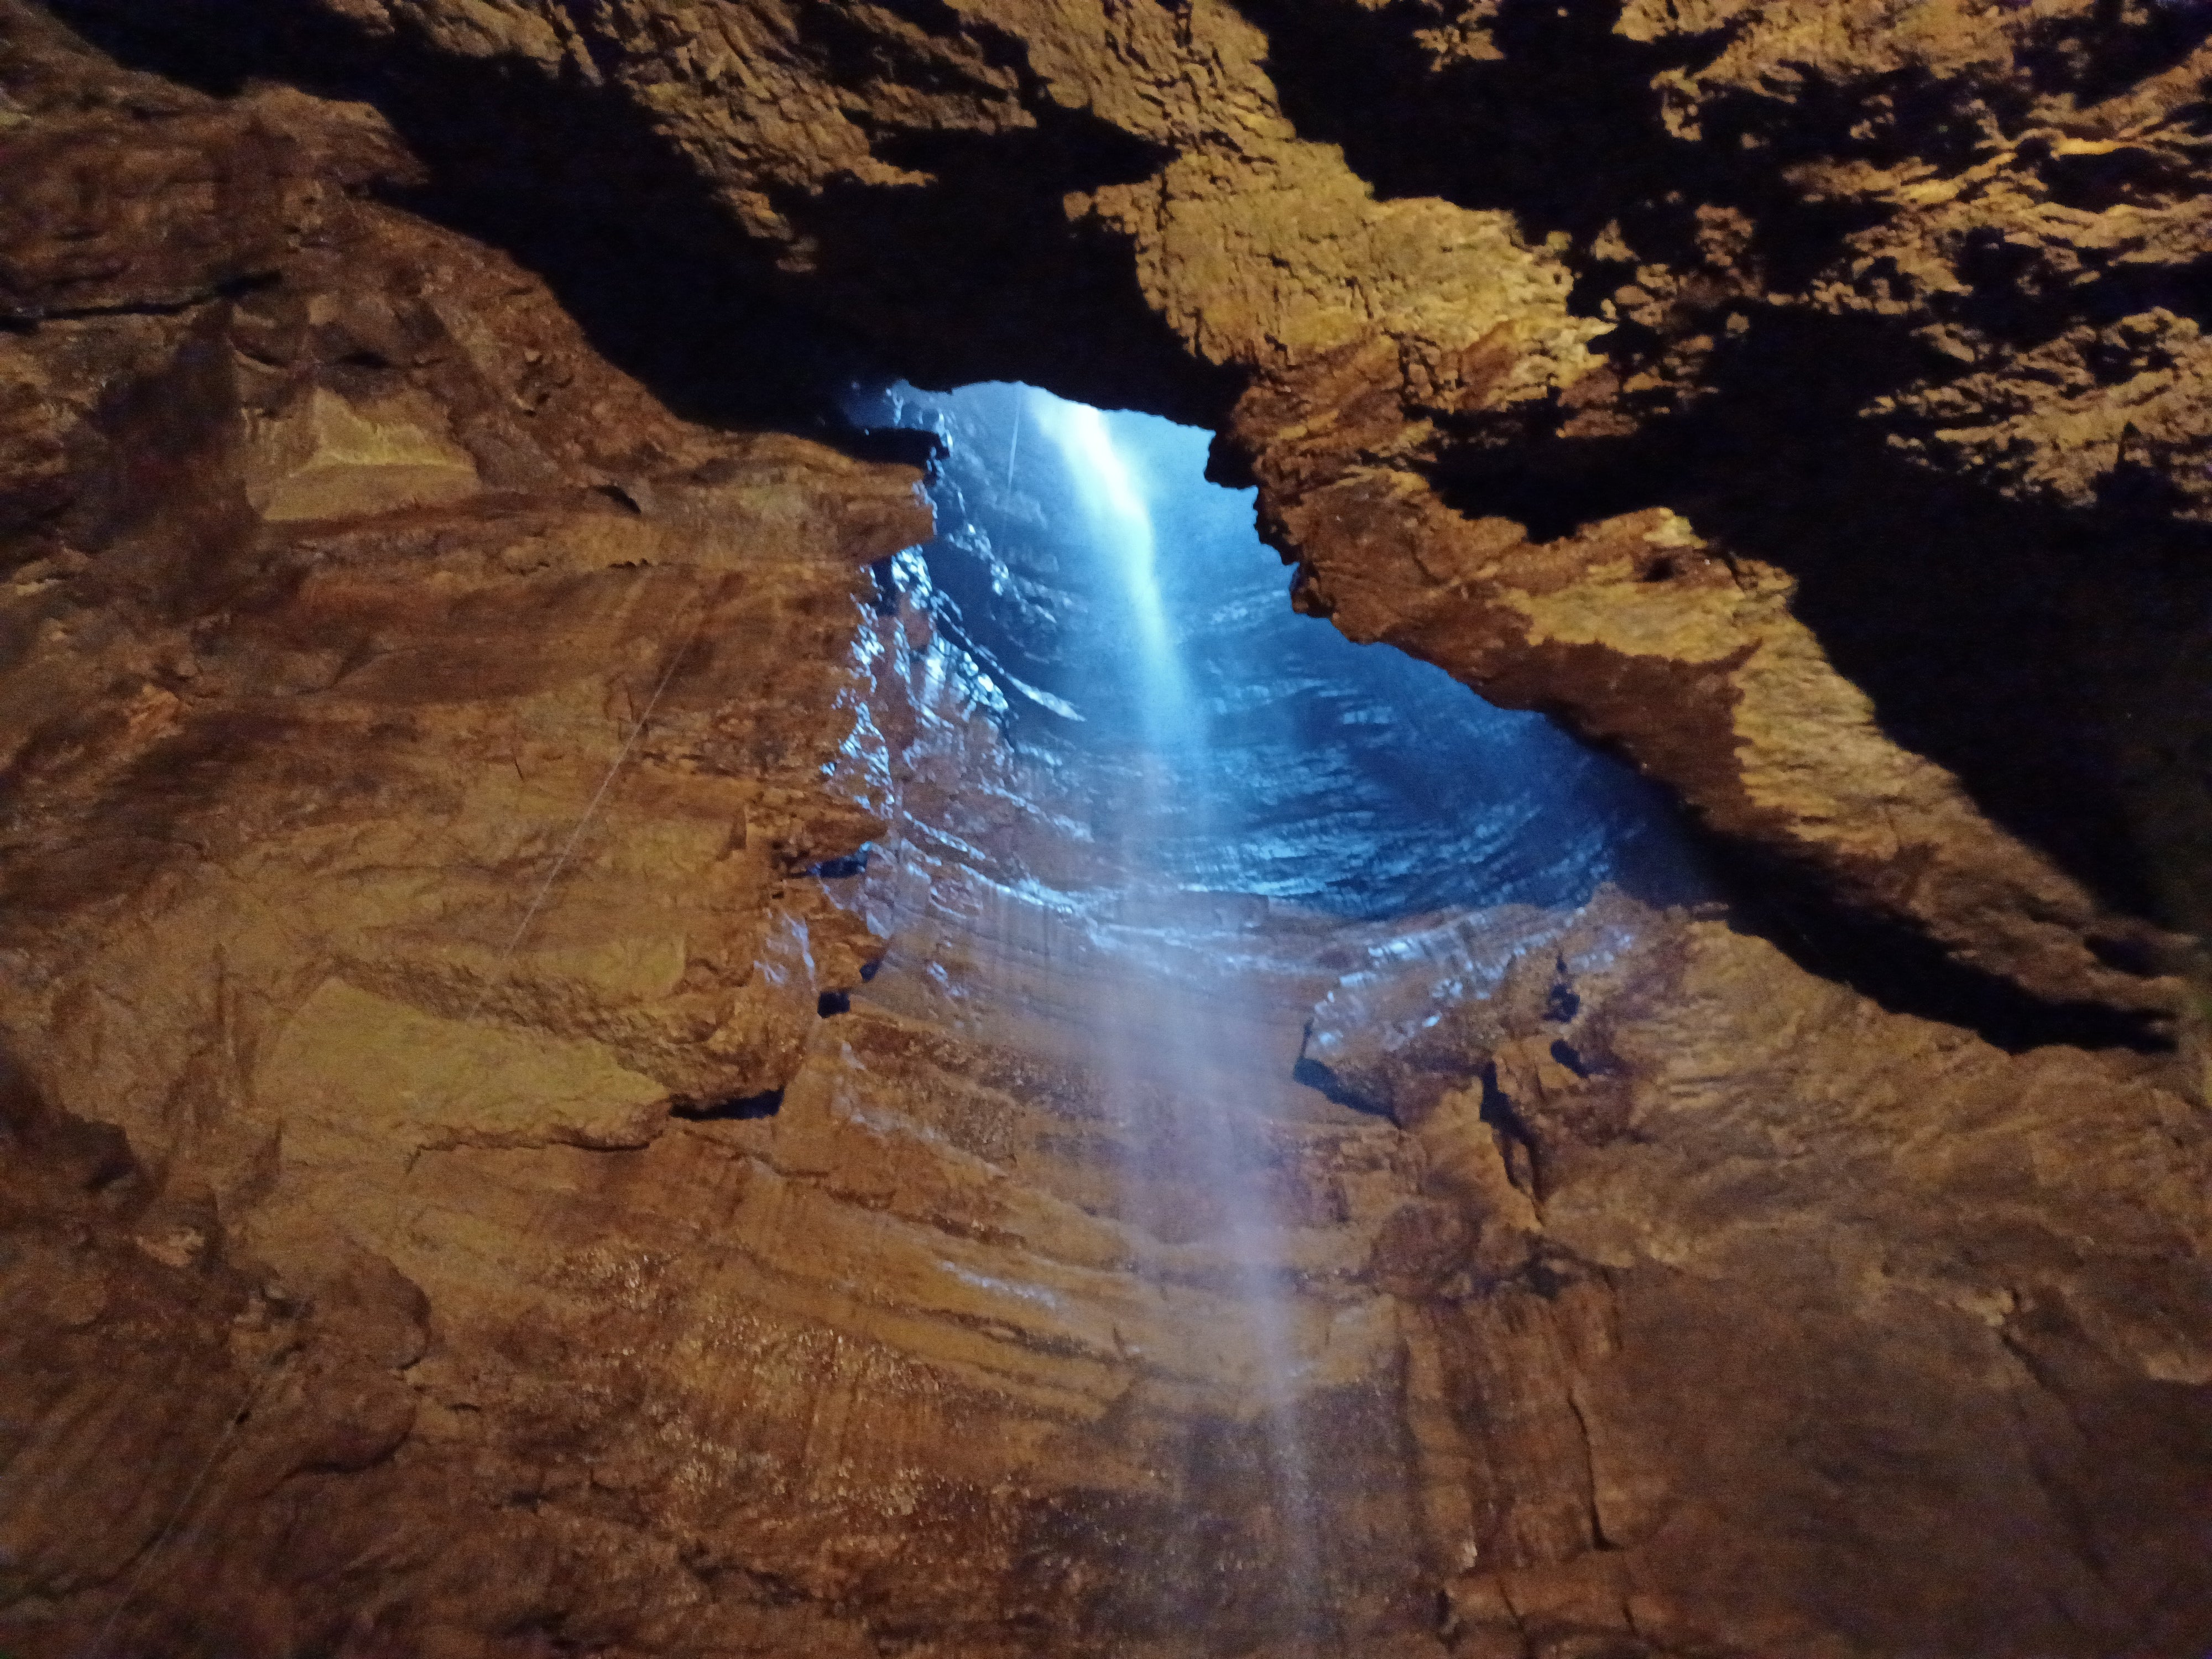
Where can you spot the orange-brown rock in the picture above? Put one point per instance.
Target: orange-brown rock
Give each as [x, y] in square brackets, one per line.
[560, 1092]
[1707, 1234]
[1852, 300]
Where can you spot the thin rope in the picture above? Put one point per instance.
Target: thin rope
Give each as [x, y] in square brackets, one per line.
[560, 863]
[1014, 444]
[590, 810]
[514, 942]
[184, 1507]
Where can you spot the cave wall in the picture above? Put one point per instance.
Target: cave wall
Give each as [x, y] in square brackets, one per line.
[492, 1169]
[1709, 355]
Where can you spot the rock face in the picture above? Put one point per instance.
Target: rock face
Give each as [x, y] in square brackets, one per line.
[547, 1110]
[1858, 303]
[1739, 1264]
[1243, 748]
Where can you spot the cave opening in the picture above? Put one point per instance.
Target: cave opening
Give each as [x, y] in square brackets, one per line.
[1210, 815]
[1038, 1099]
[1116, 612]
[737, 1109]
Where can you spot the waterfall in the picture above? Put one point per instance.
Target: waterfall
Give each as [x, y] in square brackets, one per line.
[1130, 626]
[1172, 1026]
[1117, 524]
[1207, 806]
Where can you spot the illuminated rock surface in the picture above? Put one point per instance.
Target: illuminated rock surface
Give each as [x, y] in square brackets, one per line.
[567, 1089]
[1297, 766]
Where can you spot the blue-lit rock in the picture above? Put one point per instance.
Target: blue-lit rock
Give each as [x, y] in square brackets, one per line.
[1202, 733]
[904, 1192]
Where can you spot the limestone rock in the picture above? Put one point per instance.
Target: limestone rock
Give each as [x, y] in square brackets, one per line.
[547, 1108]
[324, 459]
[1559, 268]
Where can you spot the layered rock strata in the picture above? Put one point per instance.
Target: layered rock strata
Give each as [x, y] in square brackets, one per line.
[1833, 305]
[1716, 1249]
[496, 1165]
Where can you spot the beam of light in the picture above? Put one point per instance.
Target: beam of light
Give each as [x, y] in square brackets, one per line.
[1118, 517]
[1157, 1025]
[1209, 742]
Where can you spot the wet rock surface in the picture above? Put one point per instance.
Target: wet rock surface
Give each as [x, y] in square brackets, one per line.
[565, 1091]
[1860, 301]
[1729, 1251]
[1263, 753]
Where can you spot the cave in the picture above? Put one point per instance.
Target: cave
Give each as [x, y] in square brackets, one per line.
[1191, 827]
[1118, 617]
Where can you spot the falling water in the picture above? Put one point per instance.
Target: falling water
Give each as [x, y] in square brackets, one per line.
[1118, 525]
[1222, 789]
[1172, 1030]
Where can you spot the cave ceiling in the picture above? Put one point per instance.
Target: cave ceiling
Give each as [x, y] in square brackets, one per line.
[539, 1105]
